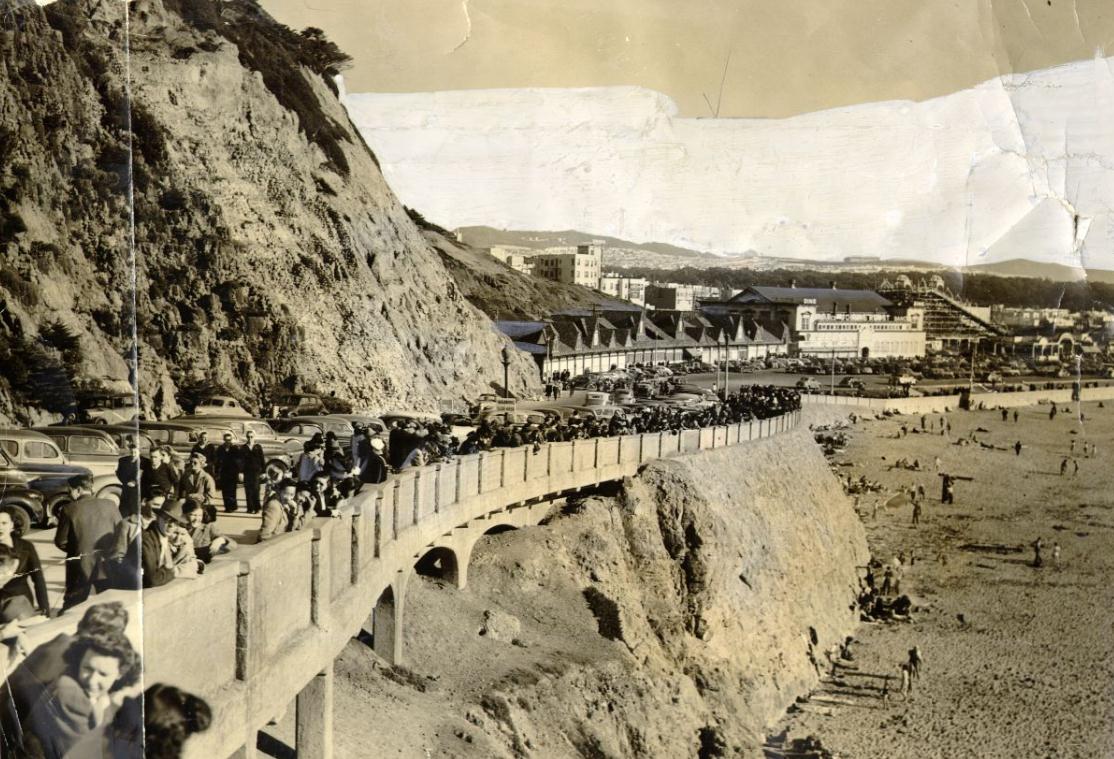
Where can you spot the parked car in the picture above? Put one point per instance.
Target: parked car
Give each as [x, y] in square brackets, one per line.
[220, 405]
[809, 384]
[40, 459]
[372, 422]
[278, 452]
[295, 404]
[302, 428]
[85, 446]
[851, 382]
[108, 408]
[179, 437]
[24, 503]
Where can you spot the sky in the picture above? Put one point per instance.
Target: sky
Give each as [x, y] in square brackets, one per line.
[800, 128]
[774, 59]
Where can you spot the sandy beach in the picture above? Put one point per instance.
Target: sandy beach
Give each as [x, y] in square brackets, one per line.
[1017, 659]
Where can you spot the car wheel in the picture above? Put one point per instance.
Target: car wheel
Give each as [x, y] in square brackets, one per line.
[278, 464]
[20, 518]
[110, 493]
[55, 505]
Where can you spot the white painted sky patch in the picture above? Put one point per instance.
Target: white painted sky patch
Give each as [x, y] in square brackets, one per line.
[996, 172]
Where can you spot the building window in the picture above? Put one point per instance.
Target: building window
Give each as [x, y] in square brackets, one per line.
[805, 317]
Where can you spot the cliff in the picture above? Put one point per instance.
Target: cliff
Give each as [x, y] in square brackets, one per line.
[670, 619]
[196, 180]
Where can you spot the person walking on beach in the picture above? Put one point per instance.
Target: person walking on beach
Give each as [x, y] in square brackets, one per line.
[1017, 447]
[1075, 467]
[1056, 555]
[924, 421]
[947, 489]
[1052, 413]
[1015, 416]
[1063, 467]
[916, 513]
[906, 680]
[936, 463]
[1005, 415]
[1037, 545]
[915, 662]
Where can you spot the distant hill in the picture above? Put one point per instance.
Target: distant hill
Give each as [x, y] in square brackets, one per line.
[1020, 267]
[624, 254]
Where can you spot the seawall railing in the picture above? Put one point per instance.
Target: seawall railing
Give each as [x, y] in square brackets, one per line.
[936, 403]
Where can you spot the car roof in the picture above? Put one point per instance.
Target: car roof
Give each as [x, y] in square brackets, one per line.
[321, 418]
[202, 421]
[72, 428]
[16, 433]
[166, 426]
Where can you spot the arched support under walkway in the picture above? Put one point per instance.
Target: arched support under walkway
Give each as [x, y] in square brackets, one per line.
[386, 620]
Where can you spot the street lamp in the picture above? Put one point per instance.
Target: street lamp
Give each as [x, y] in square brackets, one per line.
[506, 371]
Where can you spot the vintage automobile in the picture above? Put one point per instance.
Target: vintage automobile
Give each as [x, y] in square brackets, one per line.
[24, 503]
[48, 471]
[302, 428]
[220, 405]
[108, 408]
[279, 452]
[86, 446]
[808, 384]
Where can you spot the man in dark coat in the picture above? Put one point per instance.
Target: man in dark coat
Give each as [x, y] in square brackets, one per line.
[85, 533]
[228, 471]
[252, 464]
[128, 470]
[160, 480]
[374, 469]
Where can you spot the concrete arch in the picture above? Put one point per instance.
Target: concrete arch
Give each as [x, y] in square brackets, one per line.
[496, 529]
[387, 619]
[441, 562]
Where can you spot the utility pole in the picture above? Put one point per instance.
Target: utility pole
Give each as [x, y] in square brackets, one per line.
[833, 389]
[726, 363]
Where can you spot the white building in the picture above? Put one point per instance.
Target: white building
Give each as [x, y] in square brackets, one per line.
[833, 322]
[517, 257]
[631, 289]
[580, 265]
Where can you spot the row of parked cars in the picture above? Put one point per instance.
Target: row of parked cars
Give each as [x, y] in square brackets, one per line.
[36, 464]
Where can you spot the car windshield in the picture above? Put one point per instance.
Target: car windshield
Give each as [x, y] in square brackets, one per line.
[261, 429]
[6, 460]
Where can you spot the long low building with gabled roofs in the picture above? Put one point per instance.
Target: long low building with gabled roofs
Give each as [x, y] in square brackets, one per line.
[595, 341]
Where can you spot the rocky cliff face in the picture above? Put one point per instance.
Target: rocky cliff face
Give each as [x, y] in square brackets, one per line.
[266, 246]
[671, 620]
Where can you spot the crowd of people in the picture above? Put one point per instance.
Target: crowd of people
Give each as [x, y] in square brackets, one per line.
[80, 696]
[77, 695]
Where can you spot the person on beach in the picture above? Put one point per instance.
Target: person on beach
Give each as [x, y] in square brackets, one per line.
[1037, 545]
[1063, 467]
[1005, 415]
[906, 680]
[915, 662]
[1056, 555]
[916, 512]
[1017, 447]
[1015, 416]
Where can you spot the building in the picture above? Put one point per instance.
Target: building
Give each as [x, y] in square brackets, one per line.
[631, 289]
[580, 265]
[518, 258]
[599, 340]
[830, 321]
[671, 296]
[1026, 318]
[949, 322]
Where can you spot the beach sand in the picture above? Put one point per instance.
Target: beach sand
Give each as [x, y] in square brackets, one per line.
[1028, 673]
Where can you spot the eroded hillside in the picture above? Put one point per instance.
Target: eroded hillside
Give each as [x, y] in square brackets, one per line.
[670, 619]
[266, 245]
